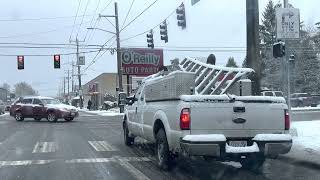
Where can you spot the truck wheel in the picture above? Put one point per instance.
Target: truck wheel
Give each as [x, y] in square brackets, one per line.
[52, 117]
[18, 116]
[253, 163]
[127, 139]
[162, 150]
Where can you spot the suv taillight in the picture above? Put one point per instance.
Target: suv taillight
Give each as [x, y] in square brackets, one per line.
[185, 119]
[286, 120]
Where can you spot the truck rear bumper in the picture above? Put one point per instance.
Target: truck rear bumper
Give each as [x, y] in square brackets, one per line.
[268, 144]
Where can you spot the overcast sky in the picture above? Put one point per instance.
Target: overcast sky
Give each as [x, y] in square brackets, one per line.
[210, 23]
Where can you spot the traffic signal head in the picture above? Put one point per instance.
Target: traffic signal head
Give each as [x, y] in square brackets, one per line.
[20, 60]
[150, 39]
[164, 31]
[181, 16]
[56, 61]
[279, 50]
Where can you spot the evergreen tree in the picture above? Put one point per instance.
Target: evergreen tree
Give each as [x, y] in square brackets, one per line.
[231, 62]
[270, 67]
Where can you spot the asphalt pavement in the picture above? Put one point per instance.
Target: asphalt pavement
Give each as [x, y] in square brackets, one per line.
[91, 147]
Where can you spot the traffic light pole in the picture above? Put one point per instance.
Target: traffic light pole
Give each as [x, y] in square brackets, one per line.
[287, 62]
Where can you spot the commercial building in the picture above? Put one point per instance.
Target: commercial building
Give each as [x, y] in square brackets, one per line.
[104, 88]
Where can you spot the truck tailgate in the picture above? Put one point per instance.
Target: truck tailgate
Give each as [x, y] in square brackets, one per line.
[235, 118]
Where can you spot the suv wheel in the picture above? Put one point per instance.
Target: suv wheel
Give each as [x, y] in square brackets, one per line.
[127, 139]
[52, 117]
[162, 150]
[18, 116]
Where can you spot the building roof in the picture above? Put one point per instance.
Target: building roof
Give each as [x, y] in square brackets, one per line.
[98, 77]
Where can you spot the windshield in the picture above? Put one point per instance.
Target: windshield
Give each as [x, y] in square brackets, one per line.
[279, 94]
[50, 101]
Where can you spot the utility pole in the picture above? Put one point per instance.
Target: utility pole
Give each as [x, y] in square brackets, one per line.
[79, 74]
[253, 56]
[64, 86]
[72, 79]
[118, 47]
[117, 33]
[68, 83]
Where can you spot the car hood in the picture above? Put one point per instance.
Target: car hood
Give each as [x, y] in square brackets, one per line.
[61, 106]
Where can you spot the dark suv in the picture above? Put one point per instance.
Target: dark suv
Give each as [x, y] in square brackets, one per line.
[42, 107]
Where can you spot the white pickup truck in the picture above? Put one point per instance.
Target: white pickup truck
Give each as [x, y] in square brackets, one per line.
[223, 127]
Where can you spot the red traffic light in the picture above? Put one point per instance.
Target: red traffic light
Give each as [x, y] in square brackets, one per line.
[20, 62]
[57, 57]
[56, 63]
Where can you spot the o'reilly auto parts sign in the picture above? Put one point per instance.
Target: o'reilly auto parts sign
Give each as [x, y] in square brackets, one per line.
[140, 61]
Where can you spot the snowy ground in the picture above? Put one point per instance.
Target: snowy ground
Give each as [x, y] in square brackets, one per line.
[5, 114]
[306, 141]
[110, 112]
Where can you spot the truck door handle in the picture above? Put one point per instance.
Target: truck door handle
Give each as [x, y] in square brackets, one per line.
[136, 110]
[239, 109]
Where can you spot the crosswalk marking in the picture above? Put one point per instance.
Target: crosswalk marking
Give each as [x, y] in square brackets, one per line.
[102, 146]
[45, 147]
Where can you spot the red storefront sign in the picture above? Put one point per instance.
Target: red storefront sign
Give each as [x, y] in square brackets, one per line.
[136, 61]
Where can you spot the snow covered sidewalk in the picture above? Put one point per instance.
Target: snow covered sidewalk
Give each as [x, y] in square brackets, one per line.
[110, 112]
[306, 141]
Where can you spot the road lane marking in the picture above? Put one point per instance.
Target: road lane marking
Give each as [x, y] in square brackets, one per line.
[45, 147]
[102, 146]
[24, 163]
[130, 168]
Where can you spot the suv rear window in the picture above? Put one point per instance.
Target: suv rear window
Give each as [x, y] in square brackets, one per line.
[26, 101]
[268, 94]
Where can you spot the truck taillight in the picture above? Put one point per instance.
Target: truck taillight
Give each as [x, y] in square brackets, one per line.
[185, 119]
[286, 120]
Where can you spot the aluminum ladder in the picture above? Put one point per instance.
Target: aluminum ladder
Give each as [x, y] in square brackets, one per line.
[211, 79]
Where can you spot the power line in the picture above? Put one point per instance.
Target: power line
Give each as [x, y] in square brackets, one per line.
[106, 6]
[44, 18]
[138, 15]
[95, 58]
[95, 11]
[125, 19]
[43, 47]
[75, 18]
[139, 34]
[38, 33]
[47, 55]
[85, 11]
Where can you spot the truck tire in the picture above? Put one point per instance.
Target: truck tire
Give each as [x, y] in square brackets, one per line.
[18, 116]
[162, 150]
[253, 163]
[129, 141]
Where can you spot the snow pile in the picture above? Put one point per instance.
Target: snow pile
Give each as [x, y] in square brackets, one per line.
[306, 108]
[205, 138]
[273, 137]
[5, 114]
[307, 134]
[247, 149]
[110, 112]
